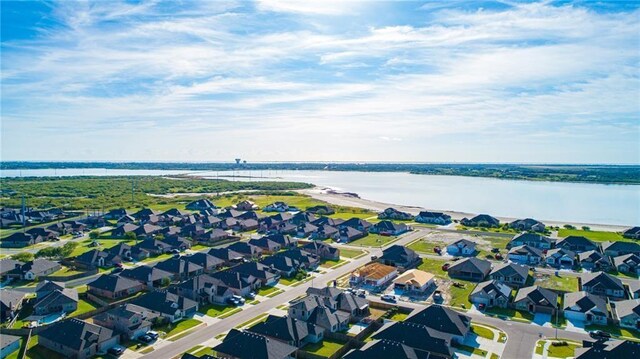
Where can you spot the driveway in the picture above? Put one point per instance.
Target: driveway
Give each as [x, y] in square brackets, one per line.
[543, 320]
[577, 326]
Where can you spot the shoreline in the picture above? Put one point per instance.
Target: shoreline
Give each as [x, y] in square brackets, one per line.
[334, 197]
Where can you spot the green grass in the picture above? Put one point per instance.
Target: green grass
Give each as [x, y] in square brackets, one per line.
[214, 310]
[266, 290]
[258, 319]
[476, 351]
[35, 351]
[433, 266]
[230, 313]
[350, 253]
[600, 236]
[512, 313]
[175, 328]
[328, 263]
[483, 332]
[374, 240]
[66, 272]
[540, 347]
[146, 350]
[494, 356]
[277, 292]
[460, 296]
[203, 351]
[567, 284]
[616, 331]
[290, 281]
[425, 246]
[84, 306]
[562, 351]
[398, 317]
[325, 348]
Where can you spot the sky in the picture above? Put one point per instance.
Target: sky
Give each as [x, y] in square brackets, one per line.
[415, 81]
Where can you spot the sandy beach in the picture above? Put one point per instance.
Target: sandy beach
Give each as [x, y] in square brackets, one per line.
[342, 199]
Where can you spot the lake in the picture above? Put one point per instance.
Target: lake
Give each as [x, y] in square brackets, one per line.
[557, 201]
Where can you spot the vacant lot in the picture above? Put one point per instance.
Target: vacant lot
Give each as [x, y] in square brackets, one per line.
[600, 236]
[567, 284]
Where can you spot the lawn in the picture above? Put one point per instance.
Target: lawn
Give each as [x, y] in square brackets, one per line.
[84, 306]
[214, 310]
[175, 328]
[483, 332]
[600, 236]
[374, 240]
[511, 313]
[35, 351]
[66, 272]
[258, 319]
[266, 290]
[433, 266]
[562, 351]
[325, 348]
[398, 317]
[290, 281]
[203, 351]
[616, 331]
[425, 246]
[567, 284]
[350, 253]
[468, 349]
[460, 296]
[328, 263]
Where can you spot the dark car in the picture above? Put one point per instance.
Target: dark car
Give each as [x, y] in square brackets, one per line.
[153, 335]
[145, 338]
[599, 334]
[115, 351]
[389, 298]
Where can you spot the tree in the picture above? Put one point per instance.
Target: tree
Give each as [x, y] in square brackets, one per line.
[586, 228]
[165, 281]
[94, 234]
[23, 257]
[131, 236]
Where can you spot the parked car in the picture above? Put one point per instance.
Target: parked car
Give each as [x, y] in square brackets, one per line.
[117, 351]
[361, 293]
[251, 295]
[238, 298]
[373, 258]
[599, 334]
[175, 251]
[153, 335]
[437, 295]
[446, 266]
[389, 298]
[481, 306]
[145, 338]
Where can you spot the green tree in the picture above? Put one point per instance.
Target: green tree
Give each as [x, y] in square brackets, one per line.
[23, 257]
[94, 234]
[130, 236]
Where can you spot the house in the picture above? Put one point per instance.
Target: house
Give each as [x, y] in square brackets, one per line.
[74, 338]
[208, 262]
[204, 289]
[560, 258]
[528, 224]
[46, 234]
[153, 246]
[325, 231]
[633, 233]
[585, 307]
[382, 349]
[116, 213]
[214, 235]
[594, 261]
[268, 246]
[628, 313]
[239, 283]
[374, 275]
[320, 311]
[181, 268]
[246, 249]
[345, 301]
[349, 234]
[447, 321]
[113, 286]
[525, 255]
[97, 258]
[37, 268]
[283, 240]
[473, 269]
[145, 212]
[64, 300]
[126, 219]
[305, 229]
[491, 294]
[248, 345]
[289, 330]
[414, 280]
[388, 228]
[511, 274]
[178, 243]
[10, 303]
[227, 255]
[322, 250]
[151, 277]
[47, 287]
[278, 207]
[128, 252]
[399, 256]
[433, 218]
[200, 205]
[19, 239]
[577, 244]
[125, 320]
[614, 249]
[246, 205]
[627, 263]
[634, 289]
[123, 229]
[167, 305]
[392, 213]
[428, 342]
[9, 344]
[8, 267]
[603, 284]
[306, 260]
[608, 349]
[462, 247]
[532, 240]
[536, 299]
[265, 274]
[286, 266]
[481, 220]
[147, 230]
[356, 223]
[321, 210]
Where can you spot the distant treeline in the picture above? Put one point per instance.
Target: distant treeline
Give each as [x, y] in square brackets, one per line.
[109, 192]
[609, 174]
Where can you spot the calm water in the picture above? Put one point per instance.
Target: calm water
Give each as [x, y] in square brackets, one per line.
[575, 202]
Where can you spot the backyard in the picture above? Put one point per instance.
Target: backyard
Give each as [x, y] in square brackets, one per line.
[600, 236]
[350, 253]
[325, 348]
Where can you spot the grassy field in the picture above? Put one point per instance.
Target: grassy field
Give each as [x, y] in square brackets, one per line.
[599, 236]
[562, 351]
[35, 351]
[350, 253]
[373, 240]
[567, 284]
[325, 348]
[266, 290]
[214, 310]
[328, 263]
[175, 328]
[483, 332]
[425, 246]
[433, 266]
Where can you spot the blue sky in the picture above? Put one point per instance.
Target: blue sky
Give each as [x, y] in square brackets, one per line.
[427, 81]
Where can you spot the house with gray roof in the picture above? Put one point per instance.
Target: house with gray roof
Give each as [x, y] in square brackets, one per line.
[560, 258]
[167, 305]
[603, 284]
[392, 213]
[399, 256]
[628, 313]
[9, 344]
[433, 218]
[491, 294]
[37, 268]
[472, 269]
[74, 338]
[632, 233]
[151, 277]
[594, 261]
[618, 248]
[265, 274]
[65, 300]
[114, 286]
[514, 275]
[208, 262]
[586, 308]
[416, 336]
[10, 303]
[125, 320]
[628, 263]
[203, 289]
[292, 331]
[388, 228]
[610, 349]
[481, 220]
[448, 322]
[536, 299]
[181, 268]
[345, 301]
[462, 247]
[532, 240]
[248, 345]
[525, 255]
[577, 244]
[528, 224]
[8, 266]
[322, 250]
[383, 349]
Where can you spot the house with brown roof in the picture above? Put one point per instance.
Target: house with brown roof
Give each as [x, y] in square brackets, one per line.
[374, 275]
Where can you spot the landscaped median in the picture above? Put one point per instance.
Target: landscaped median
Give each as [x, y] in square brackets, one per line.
[556, 348]
[252, 321]
[178, 330]
[218, 310]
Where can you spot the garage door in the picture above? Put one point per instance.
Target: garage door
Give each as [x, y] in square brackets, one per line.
[574, 315]
[479, 300]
